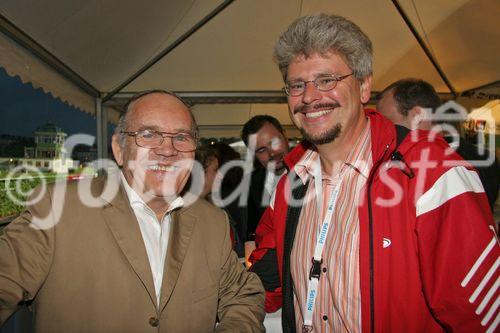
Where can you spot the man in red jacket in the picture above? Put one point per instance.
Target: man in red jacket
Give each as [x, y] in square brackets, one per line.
[373, 229]
[414, 103]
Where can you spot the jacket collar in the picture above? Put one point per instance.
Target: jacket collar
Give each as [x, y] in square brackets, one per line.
[121, 220]
[122, 223]
[383, 138]
[182, 227]
[383, 135]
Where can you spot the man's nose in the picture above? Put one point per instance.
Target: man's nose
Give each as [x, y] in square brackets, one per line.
[275, 152]
[311, 93]
[166, 148]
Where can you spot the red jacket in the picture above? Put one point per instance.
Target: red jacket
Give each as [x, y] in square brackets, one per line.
[424, 258]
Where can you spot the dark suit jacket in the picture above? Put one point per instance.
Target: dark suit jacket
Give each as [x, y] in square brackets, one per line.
[87, 270]
[489, 175]
[258, 199]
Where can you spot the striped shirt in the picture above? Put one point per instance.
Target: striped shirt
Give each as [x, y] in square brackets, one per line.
[338, 301]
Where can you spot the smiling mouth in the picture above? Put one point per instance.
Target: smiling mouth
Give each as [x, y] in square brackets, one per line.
[317, 114]
[316, 111]
[163, 168]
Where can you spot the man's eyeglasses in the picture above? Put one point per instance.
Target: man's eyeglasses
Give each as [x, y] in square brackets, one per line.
[322, 83]
[182, 142]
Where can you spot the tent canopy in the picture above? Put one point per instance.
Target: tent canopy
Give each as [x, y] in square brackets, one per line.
[220, 52]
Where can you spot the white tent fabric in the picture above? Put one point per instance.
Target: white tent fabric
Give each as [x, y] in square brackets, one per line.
[487, 117]
[234, 115]
[107, 42]
[104, 41]
[484, 124]
[234, 51]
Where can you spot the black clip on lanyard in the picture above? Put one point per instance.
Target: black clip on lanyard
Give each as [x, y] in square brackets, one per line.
[315, 271]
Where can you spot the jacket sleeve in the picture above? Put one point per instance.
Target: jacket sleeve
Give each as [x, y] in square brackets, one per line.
[458, 251]
[265, 262]
[241, 296]
[25, 258]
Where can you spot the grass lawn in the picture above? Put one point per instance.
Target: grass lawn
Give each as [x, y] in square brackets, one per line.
[19, 187]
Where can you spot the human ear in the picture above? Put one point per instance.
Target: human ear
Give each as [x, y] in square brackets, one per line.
[117, 149]
[365, 89]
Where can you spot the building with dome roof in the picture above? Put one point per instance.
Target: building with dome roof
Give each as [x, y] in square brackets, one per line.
[49, 153]
[49, 142]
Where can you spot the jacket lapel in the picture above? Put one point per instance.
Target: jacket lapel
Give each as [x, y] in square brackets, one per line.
[182, 227]
[122, 222]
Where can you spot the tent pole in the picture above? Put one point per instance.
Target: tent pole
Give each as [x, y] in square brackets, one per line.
[472, 91]
[102, 135]
[424, 47]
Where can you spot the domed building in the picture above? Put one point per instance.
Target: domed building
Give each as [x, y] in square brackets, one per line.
[49, 153]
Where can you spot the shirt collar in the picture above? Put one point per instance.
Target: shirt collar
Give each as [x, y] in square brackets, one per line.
[136, 201]
[310, 165]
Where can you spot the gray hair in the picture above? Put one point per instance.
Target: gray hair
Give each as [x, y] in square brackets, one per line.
[122, 122]
[321, 34]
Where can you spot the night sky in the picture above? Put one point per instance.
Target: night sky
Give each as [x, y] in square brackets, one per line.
[23, 109]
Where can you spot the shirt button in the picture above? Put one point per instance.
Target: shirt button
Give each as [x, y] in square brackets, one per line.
[26, 296]
[153, 321]
[324, 269]
[325, 317]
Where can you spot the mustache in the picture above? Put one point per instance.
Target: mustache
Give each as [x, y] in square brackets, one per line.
[277, 157]
[304, 108]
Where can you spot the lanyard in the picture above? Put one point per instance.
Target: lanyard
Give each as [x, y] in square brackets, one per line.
[315, 272]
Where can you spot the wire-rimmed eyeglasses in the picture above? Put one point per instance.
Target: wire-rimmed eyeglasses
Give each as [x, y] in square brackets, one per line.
[322, 83]
[151, 139]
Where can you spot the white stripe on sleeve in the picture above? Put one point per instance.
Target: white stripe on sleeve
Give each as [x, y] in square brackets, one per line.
[452, 183]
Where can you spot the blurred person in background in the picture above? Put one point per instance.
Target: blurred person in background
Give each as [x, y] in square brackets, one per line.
[412, 103]
[265, 138]
[208, 158]
[212, 158]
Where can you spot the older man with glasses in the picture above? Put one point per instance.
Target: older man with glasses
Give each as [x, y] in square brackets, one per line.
[140, 258]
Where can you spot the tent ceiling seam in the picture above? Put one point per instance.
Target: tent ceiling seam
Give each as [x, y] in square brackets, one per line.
[234, 97]
[159, 48]
[424, 47]
[169, 48]
[423, 29]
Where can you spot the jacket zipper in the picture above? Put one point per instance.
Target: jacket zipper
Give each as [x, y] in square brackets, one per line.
[370, 225]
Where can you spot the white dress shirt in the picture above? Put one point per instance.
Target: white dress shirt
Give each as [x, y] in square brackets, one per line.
[154, 233]
[272, 180]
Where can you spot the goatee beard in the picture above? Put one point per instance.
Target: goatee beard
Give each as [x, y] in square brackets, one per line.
[323, 138]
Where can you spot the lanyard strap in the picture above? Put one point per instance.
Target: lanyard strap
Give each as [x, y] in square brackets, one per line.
[315, 272]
